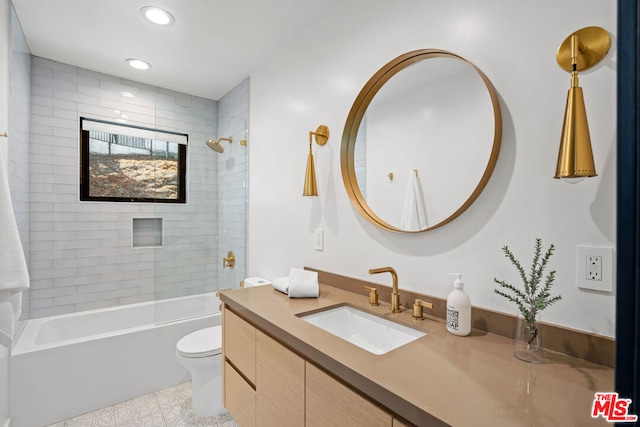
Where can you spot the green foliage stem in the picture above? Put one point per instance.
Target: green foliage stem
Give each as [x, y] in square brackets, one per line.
[534, 298]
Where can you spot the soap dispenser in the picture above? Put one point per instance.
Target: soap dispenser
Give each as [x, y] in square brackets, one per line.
[458, 309]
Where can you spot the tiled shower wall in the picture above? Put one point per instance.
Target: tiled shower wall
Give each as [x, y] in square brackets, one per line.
[80, 252]
[233, 119]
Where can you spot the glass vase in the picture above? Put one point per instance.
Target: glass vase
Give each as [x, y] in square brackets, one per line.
[528, 342]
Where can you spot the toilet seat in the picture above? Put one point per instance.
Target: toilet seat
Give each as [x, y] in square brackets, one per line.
[203, 343]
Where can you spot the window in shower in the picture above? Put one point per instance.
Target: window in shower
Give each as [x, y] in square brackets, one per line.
[124, 163]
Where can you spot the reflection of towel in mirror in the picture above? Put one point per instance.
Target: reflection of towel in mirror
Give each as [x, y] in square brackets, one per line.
[14, 277]
[414, 214]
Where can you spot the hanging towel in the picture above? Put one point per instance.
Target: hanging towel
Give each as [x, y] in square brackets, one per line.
[303, 283]
[414, 214]
[14, 277]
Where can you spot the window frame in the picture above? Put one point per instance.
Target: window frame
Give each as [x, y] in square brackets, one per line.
[84, 190]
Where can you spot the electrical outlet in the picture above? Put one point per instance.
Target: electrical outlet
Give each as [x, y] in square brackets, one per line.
[594, 268]
[318, 239]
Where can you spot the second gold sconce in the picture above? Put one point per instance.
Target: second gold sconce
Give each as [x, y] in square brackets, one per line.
[322, 136]
[580, 51]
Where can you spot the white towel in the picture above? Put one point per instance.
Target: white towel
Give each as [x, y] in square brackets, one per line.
[10, 308]
[303, 284]
[281, 284]
[414, 215]
[14, 277]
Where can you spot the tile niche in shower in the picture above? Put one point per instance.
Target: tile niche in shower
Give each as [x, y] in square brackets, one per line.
[147, 232]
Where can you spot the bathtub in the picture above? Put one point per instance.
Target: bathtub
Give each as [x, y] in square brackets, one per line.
[68, 365]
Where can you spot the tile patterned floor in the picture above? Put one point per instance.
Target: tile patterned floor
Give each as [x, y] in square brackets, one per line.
[166, 408]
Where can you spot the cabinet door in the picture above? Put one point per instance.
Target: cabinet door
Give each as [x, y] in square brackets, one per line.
[330, 403]
[398, 423]
[279, 384]
[239, 344]
[240, 398]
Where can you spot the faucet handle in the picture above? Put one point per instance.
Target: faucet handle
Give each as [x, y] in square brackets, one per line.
[373, 295]
[417, 308]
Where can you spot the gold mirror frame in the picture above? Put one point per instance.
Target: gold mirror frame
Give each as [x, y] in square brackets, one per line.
[357, 112]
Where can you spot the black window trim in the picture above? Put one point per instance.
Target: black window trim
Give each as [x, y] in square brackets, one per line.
[84, 167]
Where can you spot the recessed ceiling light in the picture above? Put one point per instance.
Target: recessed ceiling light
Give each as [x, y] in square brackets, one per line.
[157, 15]
[138, 64]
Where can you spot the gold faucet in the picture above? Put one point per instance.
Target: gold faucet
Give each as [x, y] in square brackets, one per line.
[395, 296]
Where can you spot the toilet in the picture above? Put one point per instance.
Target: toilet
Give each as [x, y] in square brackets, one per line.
[201, 353]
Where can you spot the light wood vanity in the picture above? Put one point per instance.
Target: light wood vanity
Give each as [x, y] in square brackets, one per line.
[281, 371]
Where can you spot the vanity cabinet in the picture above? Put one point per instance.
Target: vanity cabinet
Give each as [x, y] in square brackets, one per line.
[239, 397]
[239, 372]
[266, 384]
[398, 423]
[239, 347]
[263, 381]
[330, 403]
[279, 384]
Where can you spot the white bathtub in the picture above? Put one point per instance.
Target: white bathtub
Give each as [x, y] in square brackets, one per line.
[64, 366]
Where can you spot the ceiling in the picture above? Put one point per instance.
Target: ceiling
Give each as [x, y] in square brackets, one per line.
[212, 46]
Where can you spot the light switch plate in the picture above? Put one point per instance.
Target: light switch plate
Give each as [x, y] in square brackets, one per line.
[594, 268]
[318, 239]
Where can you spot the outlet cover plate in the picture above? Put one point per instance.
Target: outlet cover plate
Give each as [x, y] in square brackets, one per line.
[591, 261]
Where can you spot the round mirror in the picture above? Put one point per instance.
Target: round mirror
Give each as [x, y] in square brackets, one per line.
[421, 141]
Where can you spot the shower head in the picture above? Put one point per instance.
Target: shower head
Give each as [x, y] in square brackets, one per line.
[216, 146]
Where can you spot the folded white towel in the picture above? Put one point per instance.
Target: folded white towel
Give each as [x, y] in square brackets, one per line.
[281, 284]
[14, 277]
[303, 283]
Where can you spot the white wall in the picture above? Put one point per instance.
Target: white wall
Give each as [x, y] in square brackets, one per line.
[4, 123]
[5, 50]
[317, 77]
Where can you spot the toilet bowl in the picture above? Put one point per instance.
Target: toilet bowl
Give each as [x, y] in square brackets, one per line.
[201, 353]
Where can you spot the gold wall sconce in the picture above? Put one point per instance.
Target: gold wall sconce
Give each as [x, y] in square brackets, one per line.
[580, 51]
[321, 136]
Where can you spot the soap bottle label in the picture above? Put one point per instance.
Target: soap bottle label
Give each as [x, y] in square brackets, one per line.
[452, 318]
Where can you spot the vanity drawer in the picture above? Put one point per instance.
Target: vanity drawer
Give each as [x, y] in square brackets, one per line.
[239, 397]
[239, 344]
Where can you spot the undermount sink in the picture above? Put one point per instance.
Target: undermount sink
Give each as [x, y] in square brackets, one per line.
[372, 333]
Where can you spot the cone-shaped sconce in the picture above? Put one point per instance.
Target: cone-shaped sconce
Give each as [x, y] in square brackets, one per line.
[575, 157]
[322, 136]
[580, 51]
[310, 188]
